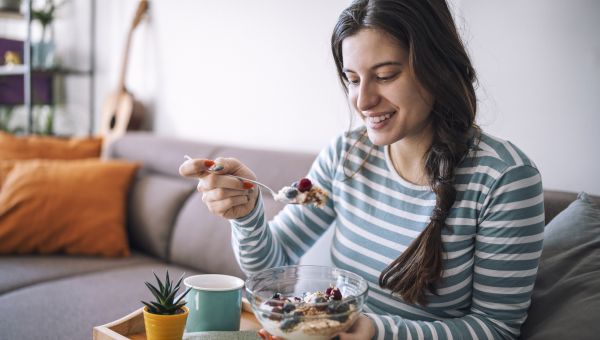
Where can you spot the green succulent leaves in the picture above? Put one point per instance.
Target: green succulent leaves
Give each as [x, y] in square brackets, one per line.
[165, 303]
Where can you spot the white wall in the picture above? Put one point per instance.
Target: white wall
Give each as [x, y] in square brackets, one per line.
[259, 73]
[539, 68]
[240, 72]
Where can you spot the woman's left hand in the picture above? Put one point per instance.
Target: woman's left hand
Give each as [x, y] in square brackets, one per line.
[362, 329]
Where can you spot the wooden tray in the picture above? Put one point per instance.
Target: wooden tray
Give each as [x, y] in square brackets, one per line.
[132, 325]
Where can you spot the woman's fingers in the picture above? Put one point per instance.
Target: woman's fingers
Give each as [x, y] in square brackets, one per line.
[225, 196]
[215, 181]
[220, 194]
[225, 206]
[195, 167]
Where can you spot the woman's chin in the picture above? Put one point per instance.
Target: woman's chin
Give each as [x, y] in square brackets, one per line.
[379, 139]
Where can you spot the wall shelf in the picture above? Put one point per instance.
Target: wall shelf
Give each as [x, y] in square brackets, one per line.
[26, 69]
[13, 70]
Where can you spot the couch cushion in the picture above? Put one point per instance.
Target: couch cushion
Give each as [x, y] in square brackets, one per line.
[23, 271]
[566, 298]
[202, 240]
[69, 308]
[28, 147]
[65, 206]
[154, 203]
[556, 201]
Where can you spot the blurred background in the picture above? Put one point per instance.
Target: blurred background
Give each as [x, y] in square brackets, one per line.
[260, 73]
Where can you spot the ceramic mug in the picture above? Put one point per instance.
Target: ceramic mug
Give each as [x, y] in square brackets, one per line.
[215, 302]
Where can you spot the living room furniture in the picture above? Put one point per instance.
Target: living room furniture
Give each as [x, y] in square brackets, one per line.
[38, 82]
[64, 297]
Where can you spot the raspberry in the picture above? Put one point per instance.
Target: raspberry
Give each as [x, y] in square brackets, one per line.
[304, 185]
[337, 295]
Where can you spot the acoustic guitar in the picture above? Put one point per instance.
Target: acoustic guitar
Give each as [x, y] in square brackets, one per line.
[121, 111]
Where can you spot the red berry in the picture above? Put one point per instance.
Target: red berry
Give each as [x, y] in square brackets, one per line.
[304, 185]
[337, 295]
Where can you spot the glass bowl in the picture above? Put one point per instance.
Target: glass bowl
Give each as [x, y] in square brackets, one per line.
[306, 302]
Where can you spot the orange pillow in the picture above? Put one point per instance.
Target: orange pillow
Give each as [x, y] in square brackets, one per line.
[12, 147]
[5, 168]
[72, 207]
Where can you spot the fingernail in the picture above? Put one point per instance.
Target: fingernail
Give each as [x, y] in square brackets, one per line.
[247, 185]
[208, 163]
[216, 167]
[261, 335]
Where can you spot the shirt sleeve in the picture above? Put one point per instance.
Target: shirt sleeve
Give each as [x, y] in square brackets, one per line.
[259, 244]
[508, 245]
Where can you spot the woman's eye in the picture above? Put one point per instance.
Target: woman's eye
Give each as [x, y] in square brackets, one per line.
[387, 77]
[352, 80]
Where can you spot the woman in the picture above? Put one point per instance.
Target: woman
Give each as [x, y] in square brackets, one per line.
[444, 221]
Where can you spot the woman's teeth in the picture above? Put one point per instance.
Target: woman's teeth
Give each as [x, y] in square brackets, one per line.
[379, 119]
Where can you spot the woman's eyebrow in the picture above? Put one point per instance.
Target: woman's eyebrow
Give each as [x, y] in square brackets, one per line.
[376, 66]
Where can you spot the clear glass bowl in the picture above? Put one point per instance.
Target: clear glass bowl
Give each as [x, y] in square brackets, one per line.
[305, 315]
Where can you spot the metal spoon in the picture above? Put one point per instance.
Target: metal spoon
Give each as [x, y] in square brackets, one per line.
[271, 191]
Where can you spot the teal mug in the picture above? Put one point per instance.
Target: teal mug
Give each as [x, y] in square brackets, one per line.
[215, 302]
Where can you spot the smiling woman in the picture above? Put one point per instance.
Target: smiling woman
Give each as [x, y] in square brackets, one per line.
[444, 221]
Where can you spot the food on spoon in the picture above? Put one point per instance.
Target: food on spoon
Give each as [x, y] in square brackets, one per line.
[303, 192]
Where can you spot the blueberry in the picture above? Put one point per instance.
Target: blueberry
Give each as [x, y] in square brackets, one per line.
[291, 193]
[295, 184]
[288, 307]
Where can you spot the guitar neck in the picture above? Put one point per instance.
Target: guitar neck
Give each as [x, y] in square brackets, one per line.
[141, 9]
[124, 63]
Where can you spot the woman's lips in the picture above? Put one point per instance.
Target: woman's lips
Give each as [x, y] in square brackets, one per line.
[378, 121]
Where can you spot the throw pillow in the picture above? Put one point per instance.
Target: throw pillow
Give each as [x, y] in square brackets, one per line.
[5, 168]
[72, 207]
[13, 147]
[566, 296]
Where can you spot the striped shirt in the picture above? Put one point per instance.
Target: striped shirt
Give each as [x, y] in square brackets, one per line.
[491, 245]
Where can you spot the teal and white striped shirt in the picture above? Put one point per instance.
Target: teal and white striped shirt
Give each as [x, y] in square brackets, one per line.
[492, 242]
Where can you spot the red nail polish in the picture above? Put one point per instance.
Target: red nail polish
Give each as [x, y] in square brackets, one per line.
[208, 163]
[247, 185]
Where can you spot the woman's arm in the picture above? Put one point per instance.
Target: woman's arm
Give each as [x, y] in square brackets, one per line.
[259, 244]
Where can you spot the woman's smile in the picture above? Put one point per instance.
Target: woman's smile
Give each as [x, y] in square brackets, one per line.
[378, 121]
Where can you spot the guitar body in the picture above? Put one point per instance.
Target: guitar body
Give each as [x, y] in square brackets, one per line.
[120, 112]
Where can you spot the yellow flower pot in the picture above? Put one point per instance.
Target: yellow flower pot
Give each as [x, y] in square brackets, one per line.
[165, 327]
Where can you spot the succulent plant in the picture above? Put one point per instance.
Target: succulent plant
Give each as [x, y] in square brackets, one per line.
[164, 294]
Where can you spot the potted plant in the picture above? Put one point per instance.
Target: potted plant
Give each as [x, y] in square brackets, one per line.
[165, 317]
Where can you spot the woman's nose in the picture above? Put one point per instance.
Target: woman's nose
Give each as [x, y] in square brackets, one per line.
[368, 97]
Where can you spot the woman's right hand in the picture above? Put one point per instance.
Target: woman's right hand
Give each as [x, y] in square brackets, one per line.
[224, 196]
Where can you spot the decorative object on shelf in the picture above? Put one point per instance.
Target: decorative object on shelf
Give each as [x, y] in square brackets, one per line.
[165, 318]
[121, 111]
[12, 92]
[12, 58]
[10, 5]
[43, 56]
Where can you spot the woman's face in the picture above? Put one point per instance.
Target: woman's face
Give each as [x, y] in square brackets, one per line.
[382, 88]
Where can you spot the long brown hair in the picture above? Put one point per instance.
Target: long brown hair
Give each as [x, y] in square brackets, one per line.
[440, 63]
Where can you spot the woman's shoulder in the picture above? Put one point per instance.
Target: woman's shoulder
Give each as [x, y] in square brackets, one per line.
[497, 153]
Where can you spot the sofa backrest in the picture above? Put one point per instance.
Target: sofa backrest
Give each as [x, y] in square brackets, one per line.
[166, 216]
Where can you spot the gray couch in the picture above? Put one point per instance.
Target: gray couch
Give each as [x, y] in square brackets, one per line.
[62, 297]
